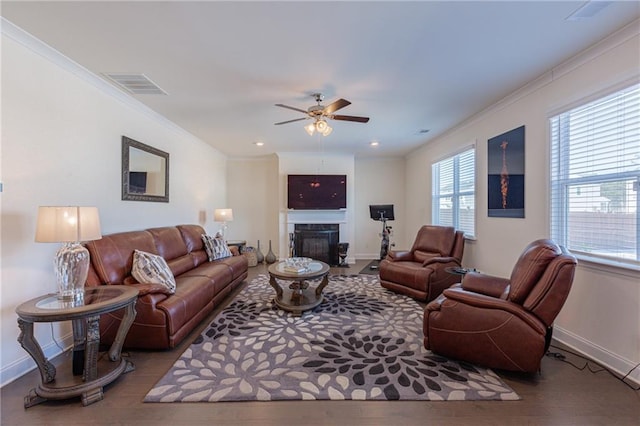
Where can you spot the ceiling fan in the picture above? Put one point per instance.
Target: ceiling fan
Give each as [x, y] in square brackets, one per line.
[320, 113]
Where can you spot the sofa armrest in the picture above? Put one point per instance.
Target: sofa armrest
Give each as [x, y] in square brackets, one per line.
[447, 259]
[399, 255]
[486, 284]
[436, 303]
[488, 302]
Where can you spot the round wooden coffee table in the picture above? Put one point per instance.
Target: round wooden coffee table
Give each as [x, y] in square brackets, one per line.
[298, 296]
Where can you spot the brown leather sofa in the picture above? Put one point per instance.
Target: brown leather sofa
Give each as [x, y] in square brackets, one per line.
[163, 320]
[420, 272]
[503, 323]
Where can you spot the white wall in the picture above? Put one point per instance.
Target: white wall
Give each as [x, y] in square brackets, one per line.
[252, 194]
[61, 145]
[380, 181]
[602, 314]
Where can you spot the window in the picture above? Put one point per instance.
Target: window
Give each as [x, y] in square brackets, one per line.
[595, 175]
[453, 193]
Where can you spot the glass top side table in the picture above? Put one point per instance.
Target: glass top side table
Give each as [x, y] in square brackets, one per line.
[88, 374]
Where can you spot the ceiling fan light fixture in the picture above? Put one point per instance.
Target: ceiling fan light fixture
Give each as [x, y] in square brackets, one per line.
[310, 128]
[321, 126]
[319, 113]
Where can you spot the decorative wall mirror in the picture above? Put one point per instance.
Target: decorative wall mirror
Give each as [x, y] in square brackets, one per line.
[145, 172]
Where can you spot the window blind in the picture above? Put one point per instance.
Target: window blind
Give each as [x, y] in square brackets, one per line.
[595, 177]
[453, 192]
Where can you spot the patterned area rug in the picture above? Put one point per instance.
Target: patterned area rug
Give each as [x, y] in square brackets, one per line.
[362, 343]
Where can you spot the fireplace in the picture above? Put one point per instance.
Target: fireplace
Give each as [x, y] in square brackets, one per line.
[318, 241]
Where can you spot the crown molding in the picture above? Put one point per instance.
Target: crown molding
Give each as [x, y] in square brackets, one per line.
[39, 47]
[594, 51]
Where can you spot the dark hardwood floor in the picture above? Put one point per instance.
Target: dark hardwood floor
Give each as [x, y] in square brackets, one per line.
[559, 395]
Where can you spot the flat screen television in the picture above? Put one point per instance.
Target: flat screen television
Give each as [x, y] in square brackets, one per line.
[380, 211]
[317, 192]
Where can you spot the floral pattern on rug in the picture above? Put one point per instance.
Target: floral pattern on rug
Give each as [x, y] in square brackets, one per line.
[362, 343]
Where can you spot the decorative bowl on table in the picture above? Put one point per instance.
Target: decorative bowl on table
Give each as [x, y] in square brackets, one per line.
[297, 264]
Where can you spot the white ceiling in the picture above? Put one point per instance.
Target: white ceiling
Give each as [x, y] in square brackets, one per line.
[408, 65]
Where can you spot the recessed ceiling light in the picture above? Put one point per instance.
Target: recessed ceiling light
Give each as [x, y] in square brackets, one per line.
[374, 143]
[258, 143]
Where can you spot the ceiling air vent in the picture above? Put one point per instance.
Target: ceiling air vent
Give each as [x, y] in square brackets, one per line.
[588, 10]
[138, 84]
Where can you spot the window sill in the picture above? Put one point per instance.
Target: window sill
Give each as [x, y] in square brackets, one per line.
[607, 265]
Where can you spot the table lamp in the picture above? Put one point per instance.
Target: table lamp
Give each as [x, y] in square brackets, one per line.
[69, 225]
[224, 216]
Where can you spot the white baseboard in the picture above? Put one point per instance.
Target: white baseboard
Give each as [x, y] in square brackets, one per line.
[25, 364]
[621, 366]
[367, 256]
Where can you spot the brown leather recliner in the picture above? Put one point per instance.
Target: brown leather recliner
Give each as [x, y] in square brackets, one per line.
[503, 323]
[420, 272]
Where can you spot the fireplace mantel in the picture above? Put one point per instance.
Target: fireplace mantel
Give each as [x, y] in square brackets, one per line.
[316, 216]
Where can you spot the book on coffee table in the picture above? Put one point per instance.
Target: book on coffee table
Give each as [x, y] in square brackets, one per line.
[294, 269]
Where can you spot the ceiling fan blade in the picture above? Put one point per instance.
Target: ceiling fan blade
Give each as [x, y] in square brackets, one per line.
[291, 121]
[331, 108]
[350, 118]
[293, 108]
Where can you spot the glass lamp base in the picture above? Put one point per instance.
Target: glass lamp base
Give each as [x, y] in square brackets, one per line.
[71, 266]
[223, 231]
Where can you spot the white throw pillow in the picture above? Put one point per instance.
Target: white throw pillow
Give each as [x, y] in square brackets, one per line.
[151, 268]
[216, 247]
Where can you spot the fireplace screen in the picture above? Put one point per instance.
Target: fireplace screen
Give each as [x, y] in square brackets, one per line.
[317, 241]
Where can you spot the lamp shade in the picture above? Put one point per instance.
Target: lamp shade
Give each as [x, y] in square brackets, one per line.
[67, 224]
[223, 215]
